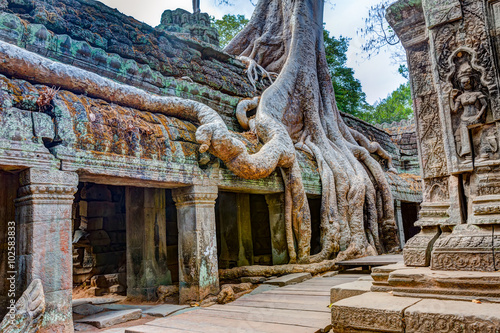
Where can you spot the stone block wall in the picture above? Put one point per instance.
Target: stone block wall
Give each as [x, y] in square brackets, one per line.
[99, 232]
[404, 135]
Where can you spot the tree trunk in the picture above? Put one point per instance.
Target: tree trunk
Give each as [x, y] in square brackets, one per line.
[357, 214]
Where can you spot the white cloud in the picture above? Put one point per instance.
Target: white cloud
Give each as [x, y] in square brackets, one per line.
[378, 75]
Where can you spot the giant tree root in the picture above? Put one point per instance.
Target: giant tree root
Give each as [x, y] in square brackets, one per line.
[316, 268]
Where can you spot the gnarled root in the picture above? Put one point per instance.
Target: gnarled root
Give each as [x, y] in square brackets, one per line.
[373, 148]
[316, 268]
[253, 69]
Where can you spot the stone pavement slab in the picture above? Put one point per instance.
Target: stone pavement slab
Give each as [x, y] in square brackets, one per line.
[118, 307]
[110, 318]
[378, 312]
[164, 310]
[288, 279]
[98, 300]
[87, 309]
[432, 315]
[262, 288]
[350, 289]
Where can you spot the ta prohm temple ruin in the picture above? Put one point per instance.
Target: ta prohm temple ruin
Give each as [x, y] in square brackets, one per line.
[150, 166]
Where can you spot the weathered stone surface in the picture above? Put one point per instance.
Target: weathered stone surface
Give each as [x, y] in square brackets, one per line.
[286, 280]
[424, 282]
[380, 276]
[431, 315]
[87, 309]
[44, 209]
[164, 310]
[81, 327]
[350, 289]
[147, 266]
[110, 318]
[27, 314]
[276, 204]
[379, 312]
[262, 288]
[197, 239]
[253, 279]
[97, 300]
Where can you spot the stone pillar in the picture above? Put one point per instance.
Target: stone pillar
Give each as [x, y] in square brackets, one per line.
[245, 253]
[146, 242]
[399, 221]
[276, 204]
[198, 269]
[43, 215]
[235, 230]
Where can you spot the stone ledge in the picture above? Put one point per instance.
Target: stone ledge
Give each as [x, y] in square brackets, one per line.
[452, 316]
[424, 282]
[371, 312]
[350, 289]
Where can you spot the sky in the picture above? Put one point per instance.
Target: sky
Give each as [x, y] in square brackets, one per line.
[378, 75]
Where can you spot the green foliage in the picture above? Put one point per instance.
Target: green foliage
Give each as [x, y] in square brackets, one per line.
[348, 91]
[228, 27]
[395, 107]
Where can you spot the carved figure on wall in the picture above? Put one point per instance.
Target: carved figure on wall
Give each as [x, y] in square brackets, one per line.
[488, 144]
[469, 101]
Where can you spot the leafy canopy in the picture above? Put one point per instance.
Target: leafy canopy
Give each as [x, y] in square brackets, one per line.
[228, 27]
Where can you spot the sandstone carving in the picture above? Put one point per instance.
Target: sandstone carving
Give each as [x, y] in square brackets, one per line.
[28, 312]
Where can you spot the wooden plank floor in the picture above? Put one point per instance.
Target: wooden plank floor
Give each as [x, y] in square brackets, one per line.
[299, 308]
[383, 260]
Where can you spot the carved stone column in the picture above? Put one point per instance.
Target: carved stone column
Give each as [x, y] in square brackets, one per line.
[434, 210]
[44, 233]
[198, 269]
[146, 242]
[276, 204]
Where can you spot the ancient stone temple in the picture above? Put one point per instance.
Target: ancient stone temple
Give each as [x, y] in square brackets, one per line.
[110, 184]
[452, 49]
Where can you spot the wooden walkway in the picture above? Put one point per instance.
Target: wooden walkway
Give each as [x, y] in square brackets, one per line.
[299, 308]
[368, 262]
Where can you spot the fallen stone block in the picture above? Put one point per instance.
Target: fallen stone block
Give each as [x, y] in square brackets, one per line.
[350, 289]
[288, 279]
[110, 318]
[164, 310]
[97, 300]
[253, 279]
[87, 309]
[262, 288]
